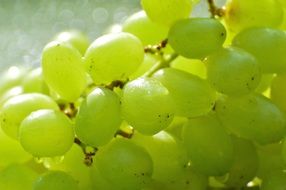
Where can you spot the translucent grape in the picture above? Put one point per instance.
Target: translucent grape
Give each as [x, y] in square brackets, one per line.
[14, 91]
[113, 57]
[34, 82]
[267, 45]
[147, 105]
[56, 180]
[99, 183]
[241, 14]
[278, 91]
[196, 37]
[192, 96]
[253, 117]
[265, 83]
[276, 180]
[98, 118]
[233, 71]
[18, 107]
[168, 154]
[245, 163]
[63, 70]
[75, 38]
[17, 177]
[147, 31]
[46, 133]
[166, 12]
[125, 164]
[210, 148]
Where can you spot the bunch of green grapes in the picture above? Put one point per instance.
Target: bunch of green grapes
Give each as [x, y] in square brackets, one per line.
[172, 101]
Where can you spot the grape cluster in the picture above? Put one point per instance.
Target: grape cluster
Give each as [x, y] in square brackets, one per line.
[170, 102]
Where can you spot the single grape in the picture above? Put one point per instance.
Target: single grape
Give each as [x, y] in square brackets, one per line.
[276, 180]
[56, 180]
[17, 177]
[75, 38]
[166, 12]
[209, 146]
[15, 109]
[98, 118]
[147, 105]
[46, 133]
[242, 14]
[63, 70]
[233, 71]
[196, 37]
[14, 91]
[99, 183]
[125, 164]
[267, 45]
[113, 57]
[253, 117]
[192, 96]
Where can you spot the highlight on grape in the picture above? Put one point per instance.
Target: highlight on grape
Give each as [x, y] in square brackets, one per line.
[171, 101]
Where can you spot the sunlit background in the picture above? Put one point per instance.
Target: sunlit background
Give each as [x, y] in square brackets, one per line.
[27, 25]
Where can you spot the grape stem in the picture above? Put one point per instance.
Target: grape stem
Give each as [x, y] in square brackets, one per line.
[161, 64]
[124, 134]
[116, 83]
[88, 160]
[156, 49]
[214, 10]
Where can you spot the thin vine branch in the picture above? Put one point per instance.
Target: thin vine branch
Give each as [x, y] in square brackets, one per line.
[156, 49]
[214, 10]
[88, 160]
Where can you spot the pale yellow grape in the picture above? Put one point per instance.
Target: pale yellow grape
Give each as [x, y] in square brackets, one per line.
[125, 164]
[278, 91]
[147, 105]
[166, 12]
[77, 39]
[34, 82]
[98, 118]
[193, 66]
[17, 177]
[147, 31]
[46, 133]
[192, 95]
[196, 37]
[209, 146]
[253, 117]
[63, 70]
[113, 57]
[15, 109]
[233, 71]
[267, 45]
[242, 14]
[168, 154]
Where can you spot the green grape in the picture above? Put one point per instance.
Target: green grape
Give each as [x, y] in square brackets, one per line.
[278, 91]
[283, 151]
[276, 180]
[11, 151]
[147, 105]
[63, 70]
[34, 82]
[233, 71]
[17, 177]
[209, 146]
[166, 12]
[124, 164]
[168, 154]
[270, 159]
[142, 27]
[99, 183]
[56, 180]
[175, 128]
[72, 164]
[113, 57]
[265, 83]
[253, 117]
[267, 45]
[241, 14]
[98, 118]
[192, 96]
[148, 62]
[196, 37]
[15, 109]
[14, 91]
[193, 66]
[245, 163]
[75, 38]
[46, 133]
[282, 2]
